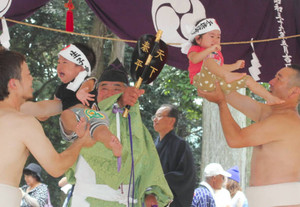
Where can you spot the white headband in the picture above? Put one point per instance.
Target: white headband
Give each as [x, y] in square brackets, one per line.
[73, 54]
[202, 27]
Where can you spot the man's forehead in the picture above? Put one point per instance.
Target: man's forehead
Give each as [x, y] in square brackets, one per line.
[111, 83]
[285, 72]
[24, 67]
[162, 110]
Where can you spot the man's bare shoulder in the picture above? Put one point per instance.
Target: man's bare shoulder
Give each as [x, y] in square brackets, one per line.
[18, 122]
[15, 115]
[274, 128]
[285, 117]
[282, 125]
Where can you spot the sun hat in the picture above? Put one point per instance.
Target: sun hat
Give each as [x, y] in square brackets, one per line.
[214, 169]
[32, 167]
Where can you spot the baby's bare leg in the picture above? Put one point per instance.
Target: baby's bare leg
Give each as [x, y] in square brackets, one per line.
[69, 121]
[229, 77]
[224, 71]
[110, 141]
[259, 90]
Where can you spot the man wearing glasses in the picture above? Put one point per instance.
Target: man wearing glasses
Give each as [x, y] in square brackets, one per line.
[175, 156]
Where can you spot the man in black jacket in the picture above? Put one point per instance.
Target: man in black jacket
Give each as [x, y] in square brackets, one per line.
[175, 156]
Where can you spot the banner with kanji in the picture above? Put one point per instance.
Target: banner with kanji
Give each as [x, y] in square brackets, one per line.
[262, 32]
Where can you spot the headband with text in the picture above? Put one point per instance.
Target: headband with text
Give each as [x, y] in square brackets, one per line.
[204, 26]
[73, 54]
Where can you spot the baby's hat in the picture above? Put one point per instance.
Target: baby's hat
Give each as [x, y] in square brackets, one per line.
[204, 26]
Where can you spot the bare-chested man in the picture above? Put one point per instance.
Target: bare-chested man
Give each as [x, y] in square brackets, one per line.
[21, 134]
[275, 136]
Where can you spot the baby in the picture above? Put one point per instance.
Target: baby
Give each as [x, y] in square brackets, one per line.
[206, 63]
[76, 95]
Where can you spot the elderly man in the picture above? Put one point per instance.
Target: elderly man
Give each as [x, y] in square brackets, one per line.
[275, 165]
[102, 179]
[22, 134]
[175, 156]
[204, 196]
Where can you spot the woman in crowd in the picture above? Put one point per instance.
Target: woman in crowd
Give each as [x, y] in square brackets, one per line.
[34, 193]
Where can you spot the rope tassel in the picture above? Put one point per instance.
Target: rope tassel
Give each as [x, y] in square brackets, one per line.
[69, 16]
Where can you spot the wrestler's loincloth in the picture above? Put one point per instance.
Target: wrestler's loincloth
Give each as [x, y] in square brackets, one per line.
[94, 118]
[274, 195]
[10, 196]
[205, 81]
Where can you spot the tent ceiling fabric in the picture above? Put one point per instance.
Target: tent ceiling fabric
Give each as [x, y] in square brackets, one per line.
[239, 21]
[21, 9]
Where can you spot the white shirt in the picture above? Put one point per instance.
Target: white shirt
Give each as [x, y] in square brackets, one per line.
[222, 198]
[238, 199]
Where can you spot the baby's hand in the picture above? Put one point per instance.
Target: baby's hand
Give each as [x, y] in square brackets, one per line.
[84, 97]
[240, 63]
[215, 48]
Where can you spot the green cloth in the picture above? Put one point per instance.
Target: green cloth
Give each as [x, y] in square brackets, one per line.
[148, 171]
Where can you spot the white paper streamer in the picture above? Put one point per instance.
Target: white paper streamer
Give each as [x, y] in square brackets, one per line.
[255, 65]
[4, 37]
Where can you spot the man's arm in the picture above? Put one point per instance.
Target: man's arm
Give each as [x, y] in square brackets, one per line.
[41, 148]
[254, 135]
[259, 133]
[89, 84]
[43, 109]
[251, 108]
